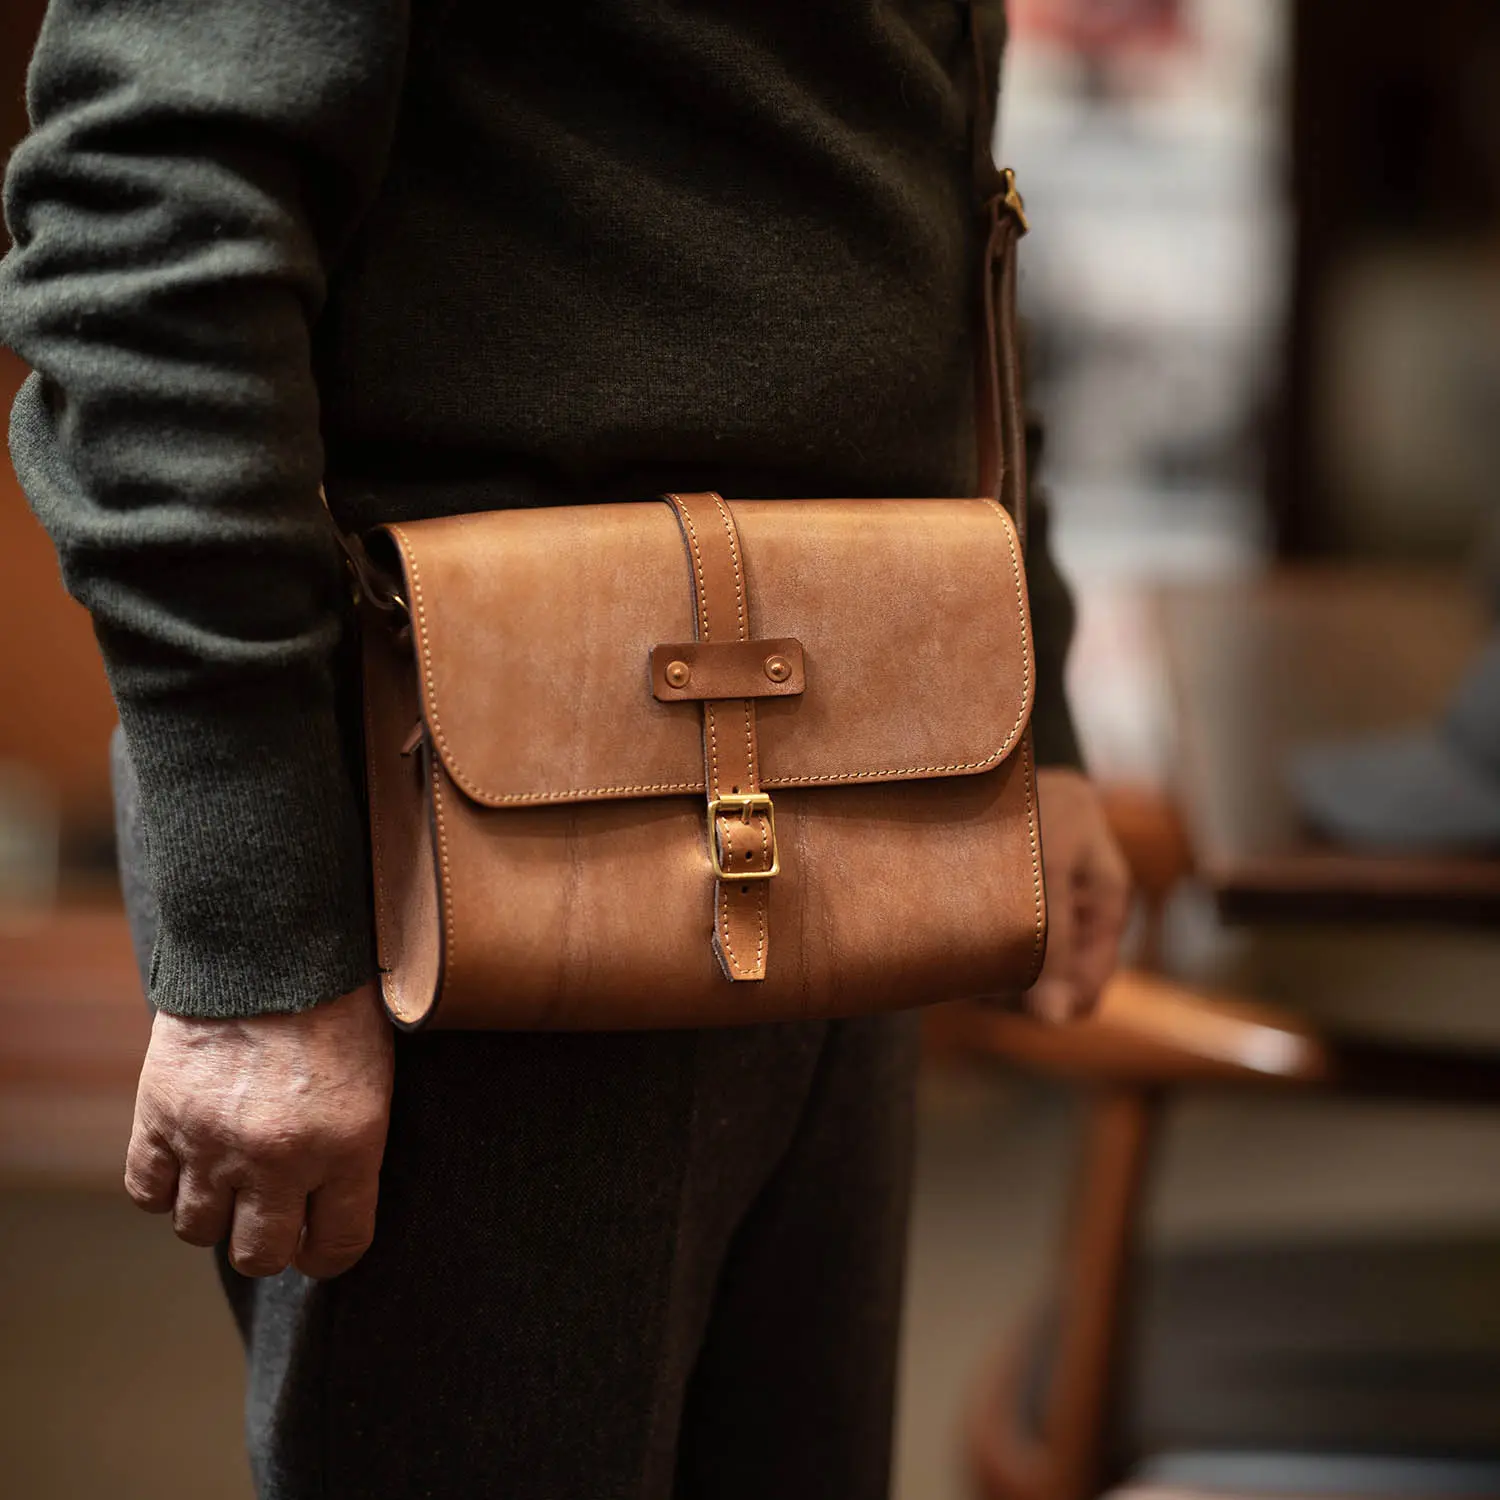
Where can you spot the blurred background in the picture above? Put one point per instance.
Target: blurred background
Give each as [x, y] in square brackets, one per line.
[1240, 1234]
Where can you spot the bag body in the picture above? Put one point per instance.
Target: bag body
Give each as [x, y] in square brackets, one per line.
[572, 691]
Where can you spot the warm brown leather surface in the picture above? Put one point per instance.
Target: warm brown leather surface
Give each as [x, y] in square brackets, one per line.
[923, 884]
[910, 614]
[599, 916]
[728, 669]
[402, 786]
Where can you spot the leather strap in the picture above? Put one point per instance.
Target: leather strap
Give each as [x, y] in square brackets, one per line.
[999, 416]
[742, 838]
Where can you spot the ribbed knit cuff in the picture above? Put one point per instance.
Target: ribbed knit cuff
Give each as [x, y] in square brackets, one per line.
[255, 852]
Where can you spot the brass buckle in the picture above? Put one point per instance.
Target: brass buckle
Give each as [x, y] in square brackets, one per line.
[743, 803]
[1010, 196]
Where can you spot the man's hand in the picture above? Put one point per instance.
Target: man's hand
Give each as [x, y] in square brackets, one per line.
[1088, 888]
[267, 1132]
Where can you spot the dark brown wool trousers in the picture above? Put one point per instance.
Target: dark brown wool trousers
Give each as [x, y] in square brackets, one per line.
[628, 1265]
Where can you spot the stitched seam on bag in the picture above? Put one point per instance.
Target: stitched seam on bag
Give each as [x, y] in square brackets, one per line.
[724, 924]
[842, 777]
[724, 931]
[712, 786]
[692, 531]
[1015, 729]
[742, 633]
[1036, 874]
[445, 893]
[760, 905]
[762, 902]
[711, 719]
[739, 576]
[450, 760]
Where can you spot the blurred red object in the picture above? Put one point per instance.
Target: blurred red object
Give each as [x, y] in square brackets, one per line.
[1100, 27]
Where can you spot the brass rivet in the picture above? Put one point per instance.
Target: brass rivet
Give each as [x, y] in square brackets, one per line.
[677, 674]
[778, 668]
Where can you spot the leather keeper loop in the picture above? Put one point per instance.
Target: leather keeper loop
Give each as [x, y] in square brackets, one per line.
[696, 670]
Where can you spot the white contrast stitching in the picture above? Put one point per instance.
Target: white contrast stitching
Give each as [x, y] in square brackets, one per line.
[687, 520]
[445, 892]
[1036, 873]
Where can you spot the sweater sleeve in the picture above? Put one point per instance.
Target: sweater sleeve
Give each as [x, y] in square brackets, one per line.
[193, 170]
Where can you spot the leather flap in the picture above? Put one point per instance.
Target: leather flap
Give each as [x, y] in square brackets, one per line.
[533, 632]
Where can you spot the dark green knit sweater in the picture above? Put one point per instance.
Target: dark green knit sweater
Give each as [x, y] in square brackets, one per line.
[461, 254]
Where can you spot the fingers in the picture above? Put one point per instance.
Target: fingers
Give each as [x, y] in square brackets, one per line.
[268, 1220]
[1097, 953]
[201, 1213]
[1055, 1001]
[150, 1172]
[231, 1140]
[340, 1226]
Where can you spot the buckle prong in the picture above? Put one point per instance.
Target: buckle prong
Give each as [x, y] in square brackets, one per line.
[743, 804]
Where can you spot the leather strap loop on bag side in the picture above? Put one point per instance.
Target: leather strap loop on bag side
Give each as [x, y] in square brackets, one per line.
[741, 821]
[999, 418]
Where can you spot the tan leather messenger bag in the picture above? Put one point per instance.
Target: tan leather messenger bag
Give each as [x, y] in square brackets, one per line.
[708, 762]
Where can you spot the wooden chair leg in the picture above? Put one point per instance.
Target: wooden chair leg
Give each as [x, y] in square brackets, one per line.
[1067, 1459]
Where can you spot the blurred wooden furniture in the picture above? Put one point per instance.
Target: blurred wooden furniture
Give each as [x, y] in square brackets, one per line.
[1046, 1417]
[73, 1029]
[1261, 666]
[50, 674]
[50, 671]
[1058, 1414]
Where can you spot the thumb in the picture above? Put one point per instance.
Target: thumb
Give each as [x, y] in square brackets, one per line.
[1055, 997]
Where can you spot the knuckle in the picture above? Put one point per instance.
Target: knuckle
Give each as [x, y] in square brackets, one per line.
[198, 1139]
[271, 1144]
[141, 1191]
[257, 1263]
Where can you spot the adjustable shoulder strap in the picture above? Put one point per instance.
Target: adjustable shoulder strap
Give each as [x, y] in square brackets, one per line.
[999, 417]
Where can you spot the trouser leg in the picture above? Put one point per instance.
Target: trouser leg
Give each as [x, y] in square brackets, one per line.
[554, 1212]
[793, 1393]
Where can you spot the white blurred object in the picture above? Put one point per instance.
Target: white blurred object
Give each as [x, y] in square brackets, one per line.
[1155, 281]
